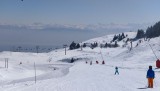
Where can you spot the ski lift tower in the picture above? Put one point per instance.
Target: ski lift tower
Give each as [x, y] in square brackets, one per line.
[64, 46]
[81, 45]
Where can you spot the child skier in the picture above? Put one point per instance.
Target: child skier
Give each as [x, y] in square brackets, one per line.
[150, 76]
[116, 70]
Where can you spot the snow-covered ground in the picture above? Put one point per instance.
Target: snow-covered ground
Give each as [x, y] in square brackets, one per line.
[53, 74]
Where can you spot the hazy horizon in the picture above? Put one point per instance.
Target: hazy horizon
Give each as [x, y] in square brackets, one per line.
[58, 22]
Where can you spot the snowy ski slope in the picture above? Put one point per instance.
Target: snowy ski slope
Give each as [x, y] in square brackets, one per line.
[53, 74]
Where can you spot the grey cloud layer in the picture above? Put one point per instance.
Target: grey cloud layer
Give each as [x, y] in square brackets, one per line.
[99, 26]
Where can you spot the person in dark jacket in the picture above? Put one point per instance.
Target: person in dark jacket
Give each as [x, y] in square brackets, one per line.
[116, 70]
[103, 62]
[72, 60]
[150, 76]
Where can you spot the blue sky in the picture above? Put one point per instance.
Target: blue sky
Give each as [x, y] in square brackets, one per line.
[44, 20]
[79, 11]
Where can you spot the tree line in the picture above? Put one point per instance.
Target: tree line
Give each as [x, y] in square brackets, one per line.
[151, 32]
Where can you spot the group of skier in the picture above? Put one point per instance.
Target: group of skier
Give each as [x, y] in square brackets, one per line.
[96, 62]
[103, 62]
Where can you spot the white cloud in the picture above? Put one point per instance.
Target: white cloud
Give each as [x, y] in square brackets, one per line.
[80, 27]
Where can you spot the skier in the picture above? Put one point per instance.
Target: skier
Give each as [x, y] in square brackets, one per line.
[20, 63]
[116, 70]
[72, 60]
[150, 76]
[86, 62]
[91, 63]
[97, 62]
[137, 45]
[103, 62]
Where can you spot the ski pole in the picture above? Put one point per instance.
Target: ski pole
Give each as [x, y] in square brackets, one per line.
[153, 51]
